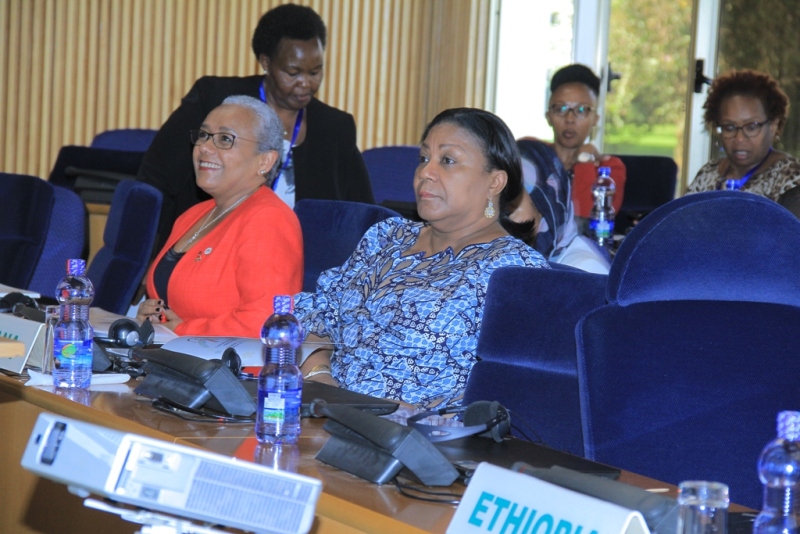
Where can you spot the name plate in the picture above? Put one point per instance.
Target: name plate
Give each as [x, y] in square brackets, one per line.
[499, 500]
[30, 333]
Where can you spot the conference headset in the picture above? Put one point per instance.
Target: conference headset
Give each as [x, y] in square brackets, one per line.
[123, 332]
[485, 418]
[7, 302]
[126, 333]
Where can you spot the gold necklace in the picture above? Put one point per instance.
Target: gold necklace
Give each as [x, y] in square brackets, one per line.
[208, 223]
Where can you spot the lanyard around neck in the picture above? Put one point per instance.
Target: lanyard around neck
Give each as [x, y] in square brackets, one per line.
[734, 185]
[288, 160]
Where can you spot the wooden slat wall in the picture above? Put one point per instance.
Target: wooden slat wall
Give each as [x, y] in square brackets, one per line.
[74, 68]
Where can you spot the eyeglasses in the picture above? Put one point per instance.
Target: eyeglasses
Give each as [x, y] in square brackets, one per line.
[751, 129]
[221, 140]
[580, 112]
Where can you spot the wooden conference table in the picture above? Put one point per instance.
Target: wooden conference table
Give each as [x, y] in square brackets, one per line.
[347, 505]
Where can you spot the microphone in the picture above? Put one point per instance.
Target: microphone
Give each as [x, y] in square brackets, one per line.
[21, 309]
[318, 408]
[7, 302]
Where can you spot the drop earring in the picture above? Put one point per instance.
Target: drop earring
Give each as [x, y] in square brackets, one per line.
[489, 212]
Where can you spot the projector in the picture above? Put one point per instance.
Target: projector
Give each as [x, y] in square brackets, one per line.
[165, 478]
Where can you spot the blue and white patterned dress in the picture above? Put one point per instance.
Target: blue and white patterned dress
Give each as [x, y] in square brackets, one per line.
[406, 327]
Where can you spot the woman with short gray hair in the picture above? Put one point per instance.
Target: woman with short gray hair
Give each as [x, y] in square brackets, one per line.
[228, 257]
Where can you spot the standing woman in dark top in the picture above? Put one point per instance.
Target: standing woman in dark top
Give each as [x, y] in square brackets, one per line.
[323, 161]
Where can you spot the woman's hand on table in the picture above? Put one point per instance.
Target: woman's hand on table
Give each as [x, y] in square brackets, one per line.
[153, 310]
[317, 366]
[150, 310]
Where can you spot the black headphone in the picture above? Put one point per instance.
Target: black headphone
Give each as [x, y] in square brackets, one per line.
[7, 302]
[486, 418]
[126, 333]
[231, 360]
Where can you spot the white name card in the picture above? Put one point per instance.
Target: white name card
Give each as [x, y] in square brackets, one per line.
[502, 501]
[30, 333]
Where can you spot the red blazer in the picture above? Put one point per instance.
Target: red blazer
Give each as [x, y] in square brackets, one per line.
[225, 283]
[585, 175]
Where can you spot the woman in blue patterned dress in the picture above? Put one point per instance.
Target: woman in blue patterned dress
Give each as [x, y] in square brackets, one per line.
[402, 315]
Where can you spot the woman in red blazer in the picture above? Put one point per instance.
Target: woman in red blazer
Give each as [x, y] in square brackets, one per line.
[227, 257]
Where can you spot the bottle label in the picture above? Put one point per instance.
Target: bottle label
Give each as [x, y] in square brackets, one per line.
[274, 409]
[69, 353]
[602, 229]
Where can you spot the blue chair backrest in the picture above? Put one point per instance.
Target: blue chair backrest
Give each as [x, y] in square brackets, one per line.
[650, 182]
[121, 162]
[687, 390]
[682, 373]
[119, 266]
[65, 239]
[718, 245]
[527, 350]
[391, 172]
[24, 219]
[331, 231]
[130, 139]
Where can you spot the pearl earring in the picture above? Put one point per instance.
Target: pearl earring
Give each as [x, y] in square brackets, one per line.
[489, 212]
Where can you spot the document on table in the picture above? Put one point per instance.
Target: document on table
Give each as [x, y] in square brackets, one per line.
[5, 290]
[250, 350]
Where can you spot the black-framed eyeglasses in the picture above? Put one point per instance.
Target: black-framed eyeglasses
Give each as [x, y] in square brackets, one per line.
[751, 129]
[221, 140]
[580, 112]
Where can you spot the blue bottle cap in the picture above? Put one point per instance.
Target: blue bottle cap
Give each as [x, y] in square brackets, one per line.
[76, 267]
[282, 304]
[789, 425]
[604, 171]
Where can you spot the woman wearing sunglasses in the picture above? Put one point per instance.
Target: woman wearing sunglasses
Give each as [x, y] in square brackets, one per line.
[227, 257]
[747, 110]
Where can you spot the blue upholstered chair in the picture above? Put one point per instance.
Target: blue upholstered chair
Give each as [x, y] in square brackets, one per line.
[331, 231]
[66, 236]
[650, 183]
[527, 349]
[119, 266]
[94, 172]
[391, 172]
[27, 205]
[683, 372]
[130, 139]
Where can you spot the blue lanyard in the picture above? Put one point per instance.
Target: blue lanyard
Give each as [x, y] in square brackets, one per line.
[297, 123]
[734, 185]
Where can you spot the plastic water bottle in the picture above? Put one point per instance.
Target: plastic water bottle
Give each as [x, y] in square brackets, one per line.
[601, 219]
[278, 456]
[779, 471]
[280, 383]
[72, 343]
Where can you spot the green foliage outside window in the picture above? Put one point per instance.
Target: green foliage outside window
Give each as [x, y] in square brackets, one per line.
[763, 36]
[648, 43]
